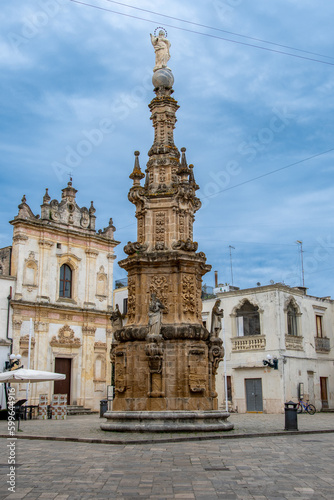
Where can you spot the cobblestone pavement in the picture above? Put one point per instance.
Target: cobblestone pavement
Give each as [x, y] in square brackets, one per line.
[274, 468]
[87, 428]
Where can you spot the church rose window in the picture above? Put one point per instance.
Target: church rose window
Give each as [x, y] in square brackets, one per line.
[65, 288]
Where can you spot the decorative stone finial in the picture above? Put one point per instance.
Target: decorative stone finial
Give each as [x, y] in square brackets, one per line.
[136, 174]
[24, 199]
[192, 181]
[46, 197]
[92, 208]
[183, 170]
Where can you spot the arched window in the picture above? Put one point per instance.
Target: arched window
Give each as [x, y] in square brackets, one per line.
[248, 320]
[65, 286]
[292, 320]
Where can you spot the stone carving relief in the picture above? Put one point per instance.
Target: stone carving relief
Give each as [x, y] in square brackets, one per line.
[30, 271]
[116, 319]
[54, 214]
[154, 351]
[162, 174]
[84, 221]
[159, 287]
[216, 353]
[191, 222]
[40, 326]
[136, 247]
[160, 221]
[187, 245]
[89, 331]
[65, 338]
[189, 294]
[197, 369]
[17, 323]
[181, 226]
[120, 370]
[141, 228]
[24, 342]
[101, 284]
[131, 298]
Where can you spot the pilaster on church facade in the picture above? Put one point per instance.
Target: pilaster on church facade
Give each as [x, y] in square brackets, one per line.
[64, 274]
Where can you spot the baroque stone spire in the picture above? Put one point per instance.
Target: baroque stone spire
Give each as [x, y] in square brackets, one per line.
[165, 270]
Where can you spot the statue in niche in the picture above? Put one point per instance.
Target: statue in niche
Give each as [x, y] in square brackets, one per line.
[161, 47]
[155, 315]
[116, 319]
[216, 319]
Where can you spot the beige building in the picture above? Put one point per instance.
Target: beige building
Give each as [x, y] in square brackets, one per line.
[293, 329]
[63, 272]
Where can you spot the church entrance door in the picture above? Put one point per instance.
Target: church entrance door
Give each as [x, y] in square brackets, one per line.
[63, 365]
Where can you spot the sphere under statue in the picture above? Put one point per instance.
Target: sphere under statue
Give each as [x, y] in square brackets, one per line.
[163, 78]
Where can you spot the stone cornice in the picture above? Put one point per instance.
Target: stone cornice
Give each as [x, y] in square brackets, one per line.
[20, 304]
[272, 288]
[56, 230]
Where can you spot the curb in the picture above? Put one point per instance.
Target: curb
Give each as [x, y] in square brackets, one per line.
[177, 439]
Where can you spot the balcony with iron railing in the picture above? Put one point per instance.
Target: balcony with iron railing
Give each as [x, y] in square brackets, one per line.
[322, 344]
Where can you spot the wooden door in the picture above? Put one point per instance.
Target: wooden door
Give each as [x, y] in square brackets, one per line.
[324, 393]
[254, 401]
[63, 365]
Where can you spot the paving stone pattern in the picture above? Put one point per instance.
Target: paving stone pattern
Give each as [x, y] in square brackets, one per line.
[88, 427]
[283, 467]
[275, 467]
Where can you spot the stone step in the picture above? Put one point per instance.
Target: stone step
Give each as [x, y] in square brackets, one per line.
[79, 410]
[327, 410]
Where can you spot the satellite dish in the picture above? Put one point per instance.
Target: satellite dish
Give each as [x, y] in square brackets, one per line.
[272, 282]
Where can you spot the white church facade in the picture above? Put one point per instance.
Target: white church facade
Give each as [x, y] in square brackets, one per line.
[60, 279]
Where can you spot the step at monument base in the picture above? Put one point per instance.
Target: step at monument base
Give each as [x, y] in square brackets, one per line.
[166, 421]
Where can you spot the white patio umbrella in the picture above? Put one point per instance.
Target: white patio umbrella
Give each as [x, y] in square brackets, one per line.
[24, 375]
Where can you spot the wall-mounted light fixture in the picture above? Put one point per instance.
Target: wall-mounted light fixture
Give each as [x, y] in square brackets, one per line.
[14, 362]
[271, 362]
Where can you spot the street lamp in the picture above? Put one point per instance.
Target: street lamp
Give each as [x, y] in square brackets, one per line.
[271, 362]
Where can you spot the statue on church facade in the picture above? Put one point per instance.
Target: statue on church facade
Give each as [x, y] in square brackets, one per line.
[161, 47]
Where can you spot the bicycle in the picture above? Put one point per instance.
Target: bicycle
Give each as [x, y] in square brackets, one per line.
[305, 407]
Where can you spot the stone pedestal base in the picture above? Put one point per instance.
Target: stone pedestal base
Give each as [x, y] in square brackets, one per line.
[166, 421]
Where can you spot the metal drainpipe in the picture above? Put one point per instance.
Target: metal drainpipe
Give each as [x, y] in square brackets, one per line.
[9, 298]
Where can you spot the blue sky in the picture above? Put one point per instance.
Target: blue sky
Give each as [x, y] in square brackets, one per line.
[75, 85]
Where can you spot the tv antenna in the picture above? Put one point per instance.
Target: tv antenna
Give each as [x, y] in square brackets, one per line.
[301, 258]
